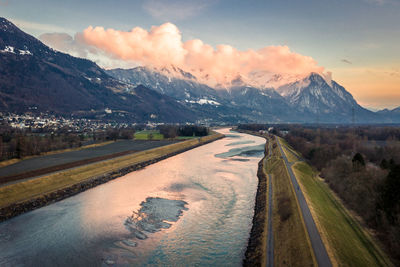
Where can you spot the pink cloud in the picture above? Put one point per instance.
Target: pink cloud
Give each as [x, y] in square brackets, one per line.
[162, 46]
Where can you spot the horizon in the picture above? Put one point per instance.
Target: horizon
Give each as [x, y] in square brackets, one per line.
[365, 61]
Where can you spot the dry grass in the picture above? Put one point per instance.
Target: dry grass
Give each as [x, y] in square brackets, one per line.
[291, 243]
[32, 188]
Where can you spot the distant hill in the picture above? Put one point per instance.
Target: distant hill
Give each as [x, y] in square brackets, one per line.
[393, 115]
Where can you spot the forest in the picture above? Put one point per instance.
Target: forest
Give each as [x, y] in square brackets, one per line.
[361, 164]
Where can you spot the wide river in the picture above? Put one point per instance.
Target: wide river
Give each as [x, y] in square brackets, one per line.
[194, 209]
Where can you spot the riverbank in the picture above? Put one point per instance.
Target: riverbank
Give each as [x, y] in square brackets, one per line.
[257, 244]
[29, 195]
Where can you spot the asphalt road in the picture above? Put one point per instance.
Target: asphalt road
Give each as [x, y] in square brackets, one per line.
[316, 242]
[270, 234]
[46, 161]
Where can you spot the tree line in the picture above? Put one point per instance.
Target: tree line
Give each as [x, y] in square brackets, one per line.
[18, 143]
[362, 165]
[172, 131]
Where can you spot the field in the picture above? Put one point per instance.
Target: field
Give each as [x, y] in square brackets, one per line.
[291, 244]
[148, 135]
[349, 244]
[51, 161]
[30, 189]
[346, 242]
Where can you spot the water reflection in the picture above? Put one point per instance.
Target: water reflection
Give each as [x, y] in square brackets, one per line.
[90, 228]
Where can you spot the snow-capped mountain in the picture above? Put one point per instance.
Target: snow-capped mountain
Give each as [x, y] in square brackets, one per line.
[170, 81]
[325, 98]
[36, 77]
[310, 99]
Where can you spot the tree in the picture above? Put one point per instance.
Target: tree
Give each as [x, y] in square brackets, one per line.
[21, 147]
[358, 161]
[390, 194]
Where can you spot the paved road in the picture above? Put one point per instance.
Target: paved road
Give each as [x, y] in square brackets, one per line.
[315, 238]
[270, 234]
[46, 161]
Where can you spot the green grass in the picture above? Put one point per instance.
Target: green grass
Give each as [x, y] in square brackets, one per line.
[349, 244]
[144, 135]
[185, 137]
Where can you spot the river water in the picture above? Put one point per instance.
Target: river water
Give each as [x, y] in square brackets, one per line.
[194, 209]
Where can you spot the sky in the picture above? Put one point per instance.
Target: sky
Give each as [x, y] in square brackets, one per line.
[357, 40]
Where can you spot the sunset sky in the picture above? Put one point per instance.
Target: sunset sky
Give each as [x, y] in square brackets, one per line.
[357, 40]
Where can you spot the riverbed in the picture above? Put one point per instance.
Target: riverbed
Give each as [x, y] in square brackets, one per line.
[194, 208]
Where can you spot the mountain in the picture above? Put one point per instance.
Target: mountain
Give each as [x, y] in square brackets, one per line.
[326, 99]
[311, 99]
[393, 115]
[209, 104]
[37, 78]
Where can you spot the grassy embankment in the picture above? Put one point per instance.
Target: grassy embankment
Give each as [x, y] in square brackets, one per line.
[291, 242]
[13, 161]
[344, 238]
[30, 189]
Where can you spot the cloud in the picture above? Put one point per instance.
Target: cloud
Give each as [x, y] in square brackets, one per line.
[74, 46]
[65, 43]
[383, 2]
[163, 46]
[174, 10]
[346, 61]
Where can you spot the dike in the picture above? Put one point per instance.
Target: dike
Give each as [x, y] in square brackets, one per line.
[256, 247]
[16, 209]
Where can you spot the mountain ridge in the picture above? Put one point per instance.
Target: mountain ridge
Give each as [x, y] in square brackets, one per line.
[41, 79]
[36, 77]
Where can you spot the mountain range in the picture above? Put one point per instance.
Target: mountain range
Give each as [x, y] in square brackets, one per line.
[36, 78]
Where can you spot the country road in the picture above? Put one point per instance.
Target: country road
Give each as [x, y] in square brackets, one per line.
[316, 242]
[270, 234]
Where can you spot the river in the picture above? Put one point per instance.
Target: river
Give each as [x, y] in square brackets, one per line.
[195, 209]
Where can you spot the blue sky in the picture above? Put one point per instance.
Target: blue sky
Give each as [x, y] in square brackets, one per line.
[358, 40]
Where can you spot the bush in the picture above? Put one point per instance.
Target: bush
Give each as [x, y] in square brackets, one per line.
[284, 208]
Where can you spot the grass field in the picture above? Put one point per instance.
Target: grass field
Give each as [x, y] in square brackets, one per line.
[36, 187]
[344, 238]
[146, 135]
[291, 244]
